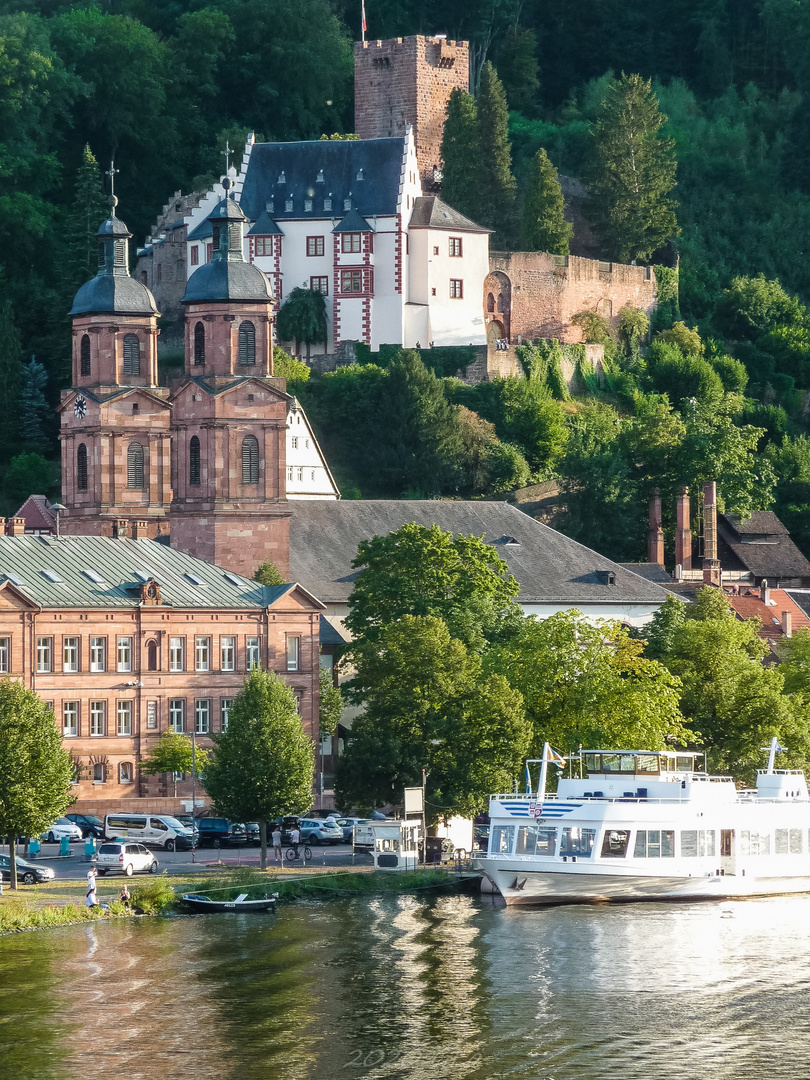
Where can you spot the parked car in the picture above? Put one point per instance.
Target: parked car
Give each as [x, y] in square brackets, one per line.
[159, 830]
[90, 826]
[219, 832]
[253, 832]
[122, 857]
[317, 831]
[28, 873]
[347, 824]
[189, 821]
[62, 827]
[287, 825]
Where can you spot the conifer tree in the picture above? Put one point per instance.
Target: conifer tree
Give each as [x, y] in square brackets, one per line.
[10, 371]
[633, 172]
[460, 155]
[544, 227]
[33, 406]
[88, 211]
[495, 180]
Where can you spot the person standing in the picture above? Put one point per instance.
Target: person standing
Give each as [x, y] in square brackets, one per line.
[91, 899]
[295, 840]
[276, 838]
[125, 898]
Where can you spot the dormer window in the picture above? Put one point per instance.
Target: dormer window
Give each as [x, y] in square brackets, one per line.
[327, 203]
[269, 206]
[282, 179]
[288, 205]
[307, 204]
[319, 178]
[347, 203]
[359, 174]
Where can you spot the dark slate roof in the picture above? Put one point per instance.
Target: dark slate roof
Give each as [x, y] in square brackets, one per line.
[429, 212]
[225, 279]
[550, 567]
[108, 294]
[226, 210]
[265, 226]
[203, 230]
[27, 558]
[352, 223]
[761, 545]
[652, 571]
[113, 226]
[379, 159]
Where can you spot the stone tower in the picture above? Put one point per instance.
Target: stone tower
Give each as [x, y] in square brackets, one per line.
[230, 414]
[405, 81]
[115, 421]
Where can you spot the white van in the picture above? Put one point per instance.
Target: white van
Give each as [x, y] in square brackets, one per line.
[160, 830]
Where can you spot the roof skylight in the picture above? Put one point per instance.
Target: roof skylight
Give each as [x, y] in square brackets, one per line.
[195, 579]
[51, 575]
[94, 576]
[13, 579]
[234, 580]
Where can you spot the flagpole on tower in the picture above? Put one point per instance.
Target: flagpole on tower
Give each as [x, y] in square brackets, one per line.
[363, 21]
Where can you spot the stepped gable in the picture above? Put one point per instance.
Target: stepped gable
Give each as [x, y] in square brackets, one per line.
[549, 567]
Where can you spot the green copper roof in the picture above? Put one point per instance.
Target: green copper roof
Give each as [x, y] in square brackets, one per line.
[99, 572]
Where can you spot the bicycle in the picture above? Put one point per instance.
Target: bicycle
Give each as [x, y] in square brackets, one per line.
[303, 849]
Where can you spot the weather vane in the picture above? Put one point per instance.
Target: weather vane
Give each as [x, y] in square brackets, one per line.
[111, 173]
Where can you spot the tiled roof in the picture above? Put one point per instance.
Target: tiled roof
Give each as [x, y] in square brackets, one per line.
[224, 279]
[429, 212]
[352, 223]
[265, 226]
[761, 545]
[30, 563]
[751, 606]
[652, 571]
[549, 567]
[37, 513]
[366, 171]
[113, 295]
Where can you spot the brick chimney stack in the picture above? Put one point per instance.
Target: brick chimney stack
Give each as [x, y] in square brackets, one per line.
[655, 543]
[765, 592]
[711, 564]
[15, 526]
[683, 533]
[787, 623]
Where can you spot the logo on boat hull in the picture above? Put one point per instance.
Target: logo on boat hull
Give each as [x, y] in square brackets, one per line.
[533, 809]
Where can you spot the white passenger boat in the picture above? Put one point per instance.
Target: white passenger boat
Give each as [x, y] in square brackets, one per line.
[648, 825]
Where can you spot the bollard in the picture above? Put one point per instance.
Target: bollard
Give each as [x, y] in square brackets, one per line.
[89, 847]
[64, 845]
[34, 848]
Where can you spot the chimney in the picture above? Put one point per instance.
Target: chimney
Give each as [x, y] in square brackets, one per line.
[140, 530]
[711, 564]
[15, 526]
[121, 529]
[765, 592]
[655, 543]
[683, 534]
[787, 623]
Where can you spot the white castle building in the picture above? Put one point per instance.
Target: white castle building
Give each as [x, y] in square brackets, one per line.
[349, 218]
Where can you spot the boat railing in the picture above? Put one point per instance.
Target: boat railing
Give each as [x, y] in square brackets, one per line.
[780, 772]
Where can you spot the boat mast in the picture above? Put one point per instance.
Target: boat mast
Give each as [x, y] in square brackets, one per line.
[541, 786]
[774, 748]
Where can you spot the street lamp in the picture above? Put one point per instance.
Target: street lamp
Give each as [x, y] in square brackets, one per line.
[57, 509]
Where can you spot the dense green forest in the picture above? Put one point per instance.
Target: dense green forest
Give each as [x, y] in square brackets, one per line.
[159, 85]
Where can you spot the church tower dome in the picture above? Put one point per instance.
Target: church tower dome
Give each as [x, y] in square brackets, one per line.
[112, 291]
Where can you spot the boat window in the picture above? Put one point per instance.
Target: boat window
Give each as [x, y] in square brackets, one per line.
[655, 844]
[576, 841]
[536, 840]
[614, 843]
[699, 842]
[647, 763]
[593, 763]
[501, 839]
[685, 764]
[752, 843]
[624, 763]
[795, 841]
[788, 842]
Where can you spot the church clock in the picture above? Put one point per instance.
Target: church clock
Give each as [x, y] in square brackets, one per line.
[80, 407]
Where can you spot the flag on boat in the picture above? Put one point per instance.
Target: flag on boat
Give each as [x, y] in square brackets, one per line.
[555, 758]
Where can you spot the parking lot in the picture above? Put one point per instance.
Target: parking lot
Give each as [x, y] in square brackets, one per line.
[74, 867]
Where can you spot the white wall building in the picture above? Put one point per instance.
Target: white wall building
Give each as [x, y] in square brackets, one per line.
[308, 475]
[349, 218]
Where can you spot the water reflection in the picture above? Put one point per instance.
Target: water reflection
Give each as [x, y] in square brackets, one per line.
[417, 990]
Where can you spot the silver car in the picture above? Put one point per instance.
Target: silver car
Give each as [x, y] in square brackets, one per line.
[125, 857]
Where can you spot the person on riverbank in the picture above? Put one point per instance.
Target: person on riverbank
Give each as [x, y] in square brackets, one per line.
[91, 900]
[125, 896]
[276, 838]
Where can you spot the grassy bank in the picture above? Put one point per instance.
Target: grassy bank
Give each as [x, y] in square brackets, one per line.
[60, 904]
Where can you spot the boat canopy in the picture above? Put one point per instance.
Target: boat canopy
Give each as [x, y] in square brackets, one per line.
[639, 762]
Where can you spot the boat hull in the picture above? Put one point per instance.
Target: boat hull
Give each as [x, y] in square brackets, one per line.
[526, 886]
[201, 904]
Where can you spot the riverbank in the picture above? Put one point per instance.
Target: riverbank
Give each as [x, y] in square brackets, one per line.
[62, 903]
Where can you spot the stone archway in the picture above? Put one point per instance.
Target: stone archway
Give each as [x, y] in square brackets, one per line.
[495, 333]
[498, 304]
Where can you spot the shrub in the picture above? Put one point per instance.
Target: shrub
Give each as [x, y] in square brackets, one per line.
[152, 895]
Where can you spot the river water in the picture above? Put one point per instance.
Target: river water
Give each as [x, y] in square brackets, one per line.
[404, 987]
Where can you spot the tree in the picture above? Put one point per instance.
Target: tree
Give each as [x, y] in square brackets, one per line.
[460, 154]
[262, 766]
[633, 172]
[489, 465]
[494, 174]
[595, 328]
[27, 474]
[267, 573]
[172, 753]
[330, 702]
[422, 571]
[87, 211]
[35, 771]
[518, 68]
[633, 327]
[10, 371]
[679, 335]
[288, 367]
[428, 704]
[591, 685]
[544, 224]
[33, 405]
[302, 318]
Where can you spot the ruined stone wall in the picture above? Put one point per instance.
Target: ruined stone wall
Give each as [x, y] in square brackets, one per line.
[405, 81]
[531, 294]
[161, 263]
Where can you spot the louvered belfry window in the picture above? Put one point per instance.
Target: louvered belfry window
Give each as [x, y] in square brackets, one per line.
[247, 343]
[199, 344]
[84, 355]
[81, 467]
[250, 460]
[194, 461]
[132, 355]
[135, 465]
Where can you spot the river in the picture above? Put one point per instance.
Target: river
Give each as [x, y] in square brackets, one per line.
[417, 989]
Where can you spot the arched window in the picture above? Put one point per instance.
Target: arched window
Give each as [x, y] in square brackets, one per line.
[199, 344]
[135, 465]
[84, 355]
[151, 656]
[490, 302]
[194, 461]
[81, 467]
[247, 343]
[250, 460]
[132, 355]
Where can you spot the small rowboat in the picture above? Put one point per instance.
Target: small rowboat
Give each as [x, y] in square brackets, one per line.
[241, 903]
